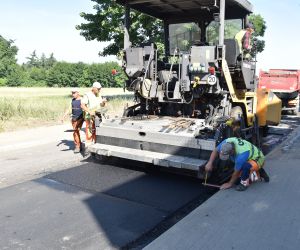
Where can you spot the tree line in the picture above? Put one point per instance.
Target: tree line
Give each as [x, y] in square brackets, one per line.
[105, 26]
[40, 71]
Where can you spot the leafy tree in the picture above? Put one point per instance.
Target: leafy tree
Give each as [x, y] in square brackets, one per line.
[43, 61]
[46, 71]
[3, 82]
[105, 26]
[50, 61]
[60, 75]
[8, 60]
[260, 28]
[37, 76]
[17, 77]
[234, 26]
[33, 60]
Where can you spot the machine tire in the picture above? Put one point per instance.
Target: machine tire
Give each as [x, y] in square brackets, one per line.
[257, 135]
[264, 130]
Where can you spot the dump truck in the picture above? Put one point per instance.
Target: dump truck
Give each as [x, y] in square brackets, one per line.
[285, 83]
[193, 95]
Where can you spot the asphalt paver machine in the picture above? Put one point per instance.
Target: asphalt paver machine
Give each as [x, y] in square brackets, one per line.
[189, 98]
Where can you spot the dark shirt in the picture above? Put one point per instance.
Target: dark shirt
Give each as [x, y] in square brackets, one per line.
[76, 110]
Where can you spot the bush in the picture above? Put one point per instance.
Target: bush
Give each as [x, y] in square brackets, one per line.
[17, 77]
[3, 82]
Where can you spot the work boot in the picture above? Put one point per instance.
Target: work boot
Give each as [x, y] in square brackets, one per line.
[263, 174]
[237, 182]
[76, 150]
[242, 186]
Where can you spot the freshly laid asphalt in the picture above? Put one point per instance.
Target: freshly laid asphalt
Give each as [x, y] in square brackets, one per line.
[91, 206]
[98, 206]
[265, 216]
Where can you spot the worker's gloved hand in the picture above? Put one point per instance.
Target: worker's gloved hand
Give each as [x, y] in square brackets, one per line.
[208, 167]
[226, 185]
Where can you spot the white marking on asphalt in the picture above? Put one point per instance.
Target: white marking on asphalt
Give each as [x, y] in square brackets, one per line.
[260, 206]
[66, 238]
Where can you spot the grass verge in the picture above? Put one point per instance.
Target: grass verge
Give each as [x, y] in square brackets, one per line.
[24, 112]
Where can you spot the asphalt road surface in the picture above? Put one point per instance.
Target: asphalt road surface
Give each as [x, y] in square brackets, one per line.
[72, 203]
[53, 199]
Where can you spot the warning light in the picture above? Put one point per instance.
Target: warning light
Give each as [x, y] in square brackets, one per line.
[212, 70]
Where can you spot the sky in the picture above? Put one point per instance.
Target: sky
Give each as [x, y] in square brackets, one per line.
[49, 26]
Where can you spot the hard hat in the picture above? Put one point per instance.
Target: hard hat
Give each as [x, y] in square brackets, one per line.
[97, 85]
[75, 90]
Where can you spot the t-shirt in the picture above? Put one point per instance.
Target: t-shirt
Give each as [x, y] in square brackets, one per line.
[93, 102]
[244, 151]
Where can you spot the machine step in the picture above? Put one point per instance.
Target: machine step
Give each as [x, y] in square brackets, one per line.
[159, 159]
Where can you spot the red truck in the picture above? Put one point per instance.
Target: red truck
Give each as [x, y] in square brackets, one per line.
[285, 83]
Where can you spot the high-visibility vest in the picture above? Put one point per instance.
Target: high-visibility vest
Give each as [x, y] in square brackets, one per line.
[239, 38]
[242, 146]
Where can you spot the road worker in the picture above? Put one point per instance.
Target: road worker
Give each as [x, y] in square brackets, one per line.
[243, 39]
[90, 102]
[248, 160]
[76, 119]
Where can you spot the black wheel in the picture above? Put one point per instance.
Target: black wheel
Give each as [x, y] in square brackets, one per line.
[256, 136]
[264, 130]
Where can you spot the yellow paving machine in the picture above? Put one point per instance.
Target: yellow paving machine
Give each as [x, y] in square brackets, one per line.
[199, 92]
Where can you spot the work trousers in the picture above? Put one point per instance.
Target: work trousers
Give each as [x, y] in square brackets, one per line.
[250, 169]
[77, 125]
[90, 130]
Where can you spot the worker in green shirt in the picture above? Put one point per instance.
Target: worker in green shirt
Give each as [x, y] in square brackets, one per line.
[248, 159]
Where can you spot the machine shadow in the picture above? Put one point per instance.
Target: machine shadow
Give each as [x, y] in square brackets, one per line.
[128, 205]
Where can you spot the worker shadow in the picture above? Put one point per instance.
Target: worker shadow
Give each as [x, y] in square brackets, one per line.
[72, 130]
[124, 203]
[67, 144]
[69, 131]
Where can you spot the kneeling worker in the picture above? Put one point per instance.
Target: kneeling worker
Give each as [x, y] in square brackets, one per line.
[248, 160]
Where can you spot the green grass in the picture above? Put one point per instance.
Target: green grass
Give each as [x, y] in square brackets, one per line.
[31, 92]
[34, 108]
[16, 112]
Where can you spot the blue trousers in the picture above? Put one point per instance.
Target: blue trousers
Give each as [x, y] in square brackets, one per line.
[245, 171]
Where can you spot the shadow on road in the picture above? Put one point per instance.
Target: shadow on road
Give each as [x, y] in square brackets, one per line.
[127, 204]
[67, 143]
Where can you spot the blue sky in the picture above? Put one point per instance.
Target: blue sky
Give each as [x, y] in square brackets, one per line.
[282, 34]
[49, 26]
